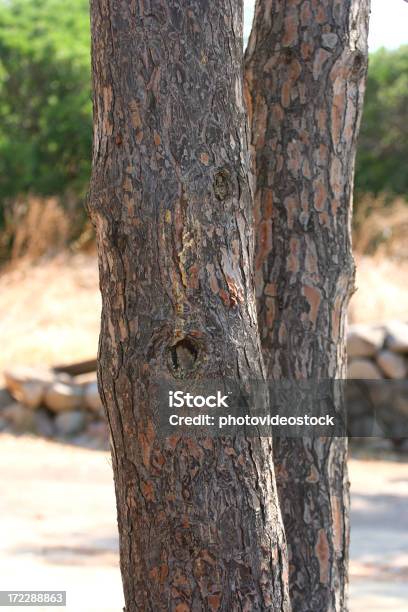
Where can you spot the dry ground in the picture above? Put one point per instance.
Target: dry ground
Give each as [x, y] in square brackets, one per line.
[58, 523]
[58, 527]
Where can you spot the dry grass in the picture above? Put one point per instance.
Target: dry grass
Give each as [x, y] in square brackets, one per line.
[381, 290]
[380, 227]
[34, 227]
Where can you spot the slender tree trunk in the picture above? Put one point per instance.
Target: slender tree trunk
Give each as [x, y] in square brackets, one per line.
[199, 522]
[305, 78]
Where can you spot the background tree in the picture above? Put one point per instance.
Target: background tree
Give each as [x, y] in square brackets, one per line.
[383, 144]
[305, 71]
[199, 521]
[45, 98]
[45, 123]
[45, 110]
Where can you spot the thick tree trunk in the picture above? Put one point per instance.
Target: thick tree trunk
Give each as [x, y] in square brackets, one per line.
[305, 77]
[199, 522]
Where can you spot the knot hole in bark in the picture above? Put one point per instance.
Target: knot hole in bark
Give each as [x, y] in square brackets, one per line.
[288, 55]
[184, 357]
[358, 64]
[222, 184]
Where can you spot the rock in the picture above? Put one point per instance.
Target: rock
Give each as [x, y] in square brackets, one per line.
[397, 337]
[28, 385]
[357, 408]
[364, 340]
[403, 446]
[378, 445]
[84, 379]
[5, 398]
[92, 397]
[95, 436]
[392, 364]
[390, 427]
[20, 417]
[99, 430]
[380, 393]
[401, 405]
[31, 393]
[44, 423]
[21, 374]
[329, 40]
[362, 427]
[363, 369]
[62, 397]
[70, 423]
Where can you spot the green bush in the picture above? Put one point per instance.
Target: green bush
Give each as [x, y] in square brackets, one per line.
[382, 157]
[45, 98]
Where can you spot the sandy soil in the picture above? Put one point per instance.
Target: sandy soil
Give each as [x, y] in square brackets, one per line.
[379, 536]
[58, 523]
[58, 527]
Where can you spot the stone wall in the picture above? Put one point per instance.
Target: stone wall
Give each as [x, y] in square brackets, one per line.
[53, 404]
[56, 403]
[378, 359]
[378, 351]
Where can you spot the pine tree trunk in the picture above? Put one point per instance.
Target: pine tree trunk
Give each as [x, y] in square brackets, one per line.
[199, 522]
[305, 78]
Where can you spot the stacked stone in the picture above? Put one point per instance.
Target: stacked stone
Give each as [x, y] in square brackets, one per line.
[378, 351]
[52, 404]
[378, 358]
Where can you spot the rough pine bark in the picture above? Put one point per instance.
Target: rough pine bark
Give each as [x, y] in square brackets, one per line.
[199, 522]
[305, 77]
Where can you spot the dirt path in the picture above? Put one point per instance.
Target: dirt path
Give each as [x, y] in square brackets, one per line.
[58, 527]
[58, 523]
[379, 536]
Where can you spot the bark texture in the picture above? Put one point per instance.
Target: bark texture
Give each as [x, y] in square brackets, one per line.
[305, 77]
[199, 522]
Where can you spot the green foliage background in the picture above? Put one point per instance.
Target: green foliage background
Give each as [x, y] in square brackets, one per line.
[382, 157]
[46, 109]
[45, 97]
